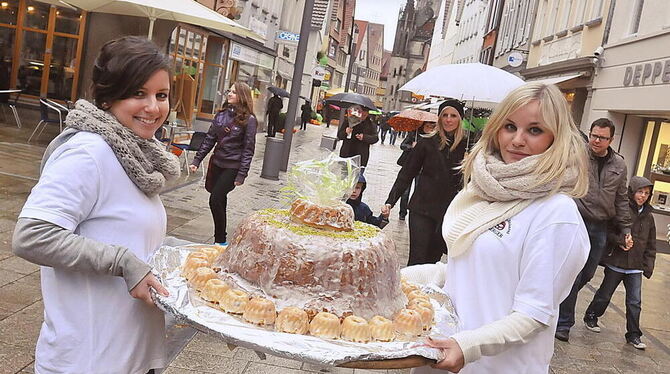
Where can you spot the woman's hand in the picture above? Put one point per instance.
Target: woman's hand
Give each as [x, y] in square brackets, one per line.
[193, 168]
[141, 290]
[452, 355]
[348, 130]
[359, 137]
[239, 183]
[386, 210]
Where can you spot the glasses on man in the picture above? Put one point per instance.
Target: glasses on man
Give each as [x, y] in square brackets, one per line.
[598, 137]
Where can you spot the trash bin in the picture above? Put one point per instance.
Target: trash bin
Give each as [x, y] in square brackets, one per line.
[328, 142]
[274, 149]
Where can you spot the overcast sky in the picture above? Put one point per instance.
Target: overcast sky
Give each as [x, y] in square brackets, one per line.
[381, 11]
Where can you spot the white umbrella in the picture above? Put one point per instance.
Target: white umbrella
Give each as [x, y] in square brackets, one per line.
[474, 81]
[176, 10]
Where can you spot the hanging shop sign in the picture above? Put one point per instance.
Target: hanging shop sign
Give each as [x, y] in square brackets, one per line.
[245, 54]
[657, 72]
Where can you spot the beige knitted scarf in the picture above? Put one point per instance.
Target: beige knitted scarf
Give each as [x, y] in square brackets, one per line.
[497, 191]
[145, 161]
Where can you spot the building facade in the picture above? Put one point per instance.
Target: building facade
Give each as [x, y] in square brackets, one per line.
[411, 50]
[508, 31]
[632, 87]
[565, 37]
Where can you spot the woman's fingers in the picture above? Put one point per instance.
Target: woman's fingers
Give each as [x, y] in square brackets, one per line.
[142, 290]
[156, 284]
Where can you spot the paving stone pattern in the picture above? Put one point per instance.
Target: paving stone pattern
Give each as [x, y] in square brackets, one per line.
[189, 218]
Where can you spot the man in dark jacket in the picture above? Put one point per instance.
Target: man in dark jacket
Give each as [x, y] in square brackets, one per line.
[274, 107]
[357, 132]
[628, 265]
[605, 200]
[362, 211]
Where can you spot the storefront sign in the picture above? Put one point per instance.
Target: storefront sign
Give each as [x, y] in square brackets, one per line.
[657, 72]
[319, 73]
[245, 54]
[286, 36]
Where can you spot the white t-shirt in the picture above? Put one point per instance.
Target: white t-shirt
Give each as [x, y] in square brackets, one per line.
[91, 323]
[525, 264]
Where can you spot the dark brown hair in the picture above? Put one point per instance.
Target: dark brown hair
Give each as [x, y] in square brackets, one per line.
[603, 123]
[244, 108]
[122, 67]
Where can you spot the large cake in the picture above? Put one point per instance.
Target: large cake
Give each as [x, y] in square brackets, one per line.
[313, 256]
[276, 254]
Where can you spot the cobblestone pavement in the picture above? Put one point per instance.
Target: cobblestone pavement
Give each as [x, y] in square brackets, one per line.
[189, 218]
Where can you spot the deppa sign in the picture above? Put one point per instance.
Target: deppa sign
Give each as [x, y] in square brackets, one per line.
[657, 72]
[288, 37]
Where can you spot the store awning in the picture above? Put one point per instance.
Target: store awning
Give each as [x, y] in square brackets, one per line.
[334, 91]
[556, 80]
[190, 12]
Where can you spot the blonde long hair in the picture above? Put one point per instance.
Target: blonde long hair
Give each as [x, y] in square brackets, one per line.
[567, 150]
[444, 140]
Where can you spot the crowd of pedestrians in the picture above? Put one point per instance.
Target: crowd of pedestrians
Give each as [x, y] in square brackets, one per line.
[524, 217]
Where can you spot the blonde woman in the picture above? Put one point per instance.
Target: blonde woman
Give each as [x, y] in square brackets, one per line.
[516, 239]
[434, 159]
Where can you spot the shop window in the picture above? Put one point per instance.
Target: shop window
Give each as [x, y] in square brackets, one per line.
[213, 81]
[187, 47]
[655, 161]
[62, 67]
[37, 15]
[9, 12]
[68, 21]
[635, 19]
[31, 62]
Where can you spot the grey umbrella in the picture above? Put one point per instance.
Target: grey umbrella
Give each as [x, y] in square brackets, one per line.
[278, 91]
[346, 99]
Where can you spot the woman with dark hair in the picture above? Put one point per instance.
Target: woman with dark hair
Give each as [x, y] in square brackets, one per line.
[95, 217]
[233, 137]
[434, 160]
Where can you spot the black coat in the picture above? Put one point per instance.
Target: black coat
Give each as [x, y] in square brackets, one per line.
[439, 182]
[352, 147]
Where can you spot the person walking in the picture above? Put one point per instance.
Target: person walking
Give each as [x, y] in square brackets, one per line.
[232, 135]
[357, 133]
[384, 128]
[606, 200]
[516, 239]
[94, 218]
[628, 265]
[275, 106]
[407, 145]
[305, 115]
[434, 160]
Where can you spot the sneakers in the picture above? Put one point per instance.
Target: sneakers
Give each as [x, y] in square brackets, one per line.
[637, 343]
[592, 324]
[562, 335]
[222, 244]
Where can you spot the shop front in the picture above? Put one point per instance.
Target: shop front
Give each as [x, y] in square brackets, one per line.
[632, 89]
[40, 48]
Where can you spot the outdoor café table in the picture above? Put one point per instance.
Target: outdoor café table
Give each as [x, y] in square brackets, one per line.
[13, 106]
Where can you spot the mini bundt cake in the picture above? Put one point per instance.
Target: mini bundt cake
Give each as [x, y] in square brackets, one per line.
[356, 329]
[200, 277]
[426, 312]
[292, 320]
[339, 217]
[192, 264]
[214, 290]
[381, 329]
[408, 322]
[260, 311]
[210, 252]
[417, 294]
[325, 325]
[234, 301]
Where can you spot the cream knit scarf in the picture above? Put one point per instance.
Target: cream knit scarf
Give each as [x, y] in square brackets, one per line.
[497, 191]
[146, 161]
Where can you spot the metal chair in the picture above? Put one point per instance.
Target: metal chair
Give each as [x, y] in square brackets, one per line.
[45, 106]
[5, 98]
[193, 146]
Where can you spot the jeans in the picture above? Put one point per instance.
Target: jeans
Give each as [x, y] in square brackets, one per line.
[382, 134]
[394, 135]
[598, 238]
[633, 285]
[218, 200]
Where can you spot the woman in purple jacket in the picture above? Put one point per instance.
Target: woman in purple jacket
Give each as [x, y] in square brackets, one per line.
[233, 137]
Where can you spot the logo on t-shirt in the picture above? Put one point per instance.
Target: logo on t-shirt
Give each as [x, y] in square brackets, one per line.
[503, 228]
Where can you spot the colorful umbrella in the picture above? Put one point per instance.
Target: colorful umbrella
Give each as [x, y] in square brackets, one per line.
[411, 119]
